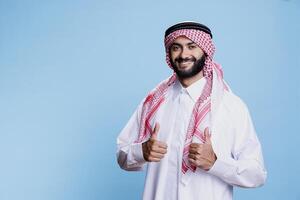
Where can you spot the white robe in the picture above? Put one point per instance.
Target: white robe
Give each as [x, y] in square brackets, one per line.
[239, 157]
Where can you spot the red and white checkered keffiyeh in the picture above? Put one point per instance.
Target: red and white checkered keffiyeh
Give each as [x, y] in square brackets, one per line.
[203, 105]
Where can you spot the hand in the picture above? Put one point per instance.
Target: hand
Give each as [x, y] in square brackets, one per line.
[202, 155]
[154, 150]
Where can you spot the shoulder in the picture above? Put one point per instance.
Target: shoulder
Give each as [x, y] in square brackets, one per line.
[234, 104]
[162, 88]
[239, 116]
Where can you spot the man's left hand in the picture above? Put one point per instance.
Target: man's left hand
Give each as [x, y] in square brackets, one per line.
[202, 155]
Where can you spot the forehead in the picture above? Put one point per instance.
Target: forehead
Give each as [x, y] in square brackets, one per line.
[182, 40]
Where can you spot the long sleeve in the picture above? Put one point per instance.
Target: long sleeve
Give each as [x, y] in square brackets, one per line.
[245, 166]
[130, 154]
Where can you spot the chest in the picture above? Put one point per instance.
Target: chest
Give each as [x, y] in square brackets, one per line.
[223, 132]
[174, 117]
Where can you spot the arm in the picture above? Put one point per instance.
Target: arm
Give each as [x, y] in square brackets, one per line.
[130, 154]
[245, 168]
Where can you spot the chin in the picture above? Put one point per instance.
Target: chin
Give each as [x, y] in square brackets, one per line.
[186, 70]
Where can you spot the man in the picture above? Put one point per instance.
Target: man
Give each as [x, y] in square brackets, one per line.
[196, 136]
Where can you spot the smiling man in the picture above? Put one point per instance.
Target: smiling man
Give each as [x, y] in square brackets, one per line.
[195, 135]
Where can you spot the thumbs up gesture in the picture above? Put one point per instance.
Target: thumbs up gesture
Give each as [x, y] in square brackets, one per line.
[154, 150]
[202, 155]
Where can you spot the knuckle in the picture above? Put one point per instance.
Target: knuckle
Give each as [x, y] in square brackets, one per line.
[152, 154]
[152, 148]
[199, 151]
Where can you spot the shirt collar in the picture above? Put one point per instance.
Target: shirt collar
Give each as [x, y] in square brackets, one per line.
[194, 90]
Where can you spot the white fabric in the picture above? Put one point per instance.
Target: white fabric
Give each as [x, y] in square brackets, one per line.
[239, 158]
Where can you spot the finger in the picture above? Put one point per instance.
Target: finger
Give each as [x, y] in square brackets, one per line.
[157, 155]
[154, 159]
[193, 162]
[207, 136]
[194, 145]
[159, 150]
[155, 131]
[193, 156]
[162, 144]
[155, 143]
[196, 149]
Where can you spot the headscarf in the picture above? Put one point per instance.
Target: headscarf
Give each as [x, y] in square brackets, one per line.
[198, 33]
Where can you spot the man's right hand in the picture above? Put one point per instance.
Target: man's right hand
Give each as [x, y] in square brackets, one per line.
[154, 150]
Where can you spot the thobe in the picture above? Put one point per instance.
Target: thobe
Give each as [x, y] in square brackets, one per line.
[234, 141]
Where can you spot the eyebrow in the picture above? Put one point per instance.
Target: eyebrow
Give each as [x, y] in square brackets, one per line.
[190, 43]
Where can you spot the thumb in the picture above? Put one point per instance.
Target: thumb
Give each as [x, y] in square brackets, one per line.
[207, 136]
[155, 131]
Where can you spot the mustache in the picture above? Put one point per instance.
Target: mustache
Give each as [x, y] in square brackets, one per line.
[180, 59]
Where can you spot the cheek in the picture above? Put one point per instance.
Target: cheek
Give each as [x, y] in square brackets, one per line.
[197, 53]
[198, 56]
[173, 56]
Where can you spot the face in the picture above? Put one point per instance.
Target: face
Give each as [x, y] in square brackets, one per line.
[186, 57]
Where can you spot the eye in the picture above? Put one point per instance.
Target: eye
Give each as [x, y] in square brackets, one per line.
[192, 47]
[174, 48]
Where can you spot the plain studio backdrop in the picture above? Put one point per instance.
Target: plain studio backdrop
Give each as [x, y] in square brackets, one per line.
[73, 72]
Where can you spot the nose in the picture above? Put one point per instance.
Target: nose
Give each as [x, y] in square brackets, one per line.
[184, 53]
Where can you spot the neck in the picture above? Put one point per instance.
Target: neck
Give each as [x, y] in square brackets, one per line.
[186, 82]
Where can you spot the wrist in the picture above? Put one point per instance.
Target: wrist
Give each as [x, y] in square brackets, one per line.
[144, 149]
[214, 159]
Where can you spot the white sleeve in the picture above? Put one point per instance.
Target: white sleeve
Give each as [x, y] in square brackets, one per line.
[245, 168]
[130, 154]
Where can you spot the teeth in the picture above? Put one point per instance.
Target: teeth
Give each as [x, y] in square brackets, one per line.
[186, 62]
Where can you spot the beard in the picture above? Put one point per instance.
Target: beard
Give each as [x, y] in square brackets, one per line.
[194, 70]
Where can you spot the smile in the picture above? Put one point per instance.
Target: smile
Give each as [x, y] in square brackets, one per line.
[185, 63]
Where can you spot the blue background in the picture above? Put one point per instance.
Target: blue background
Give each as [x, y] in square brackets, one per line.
[72, 73]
